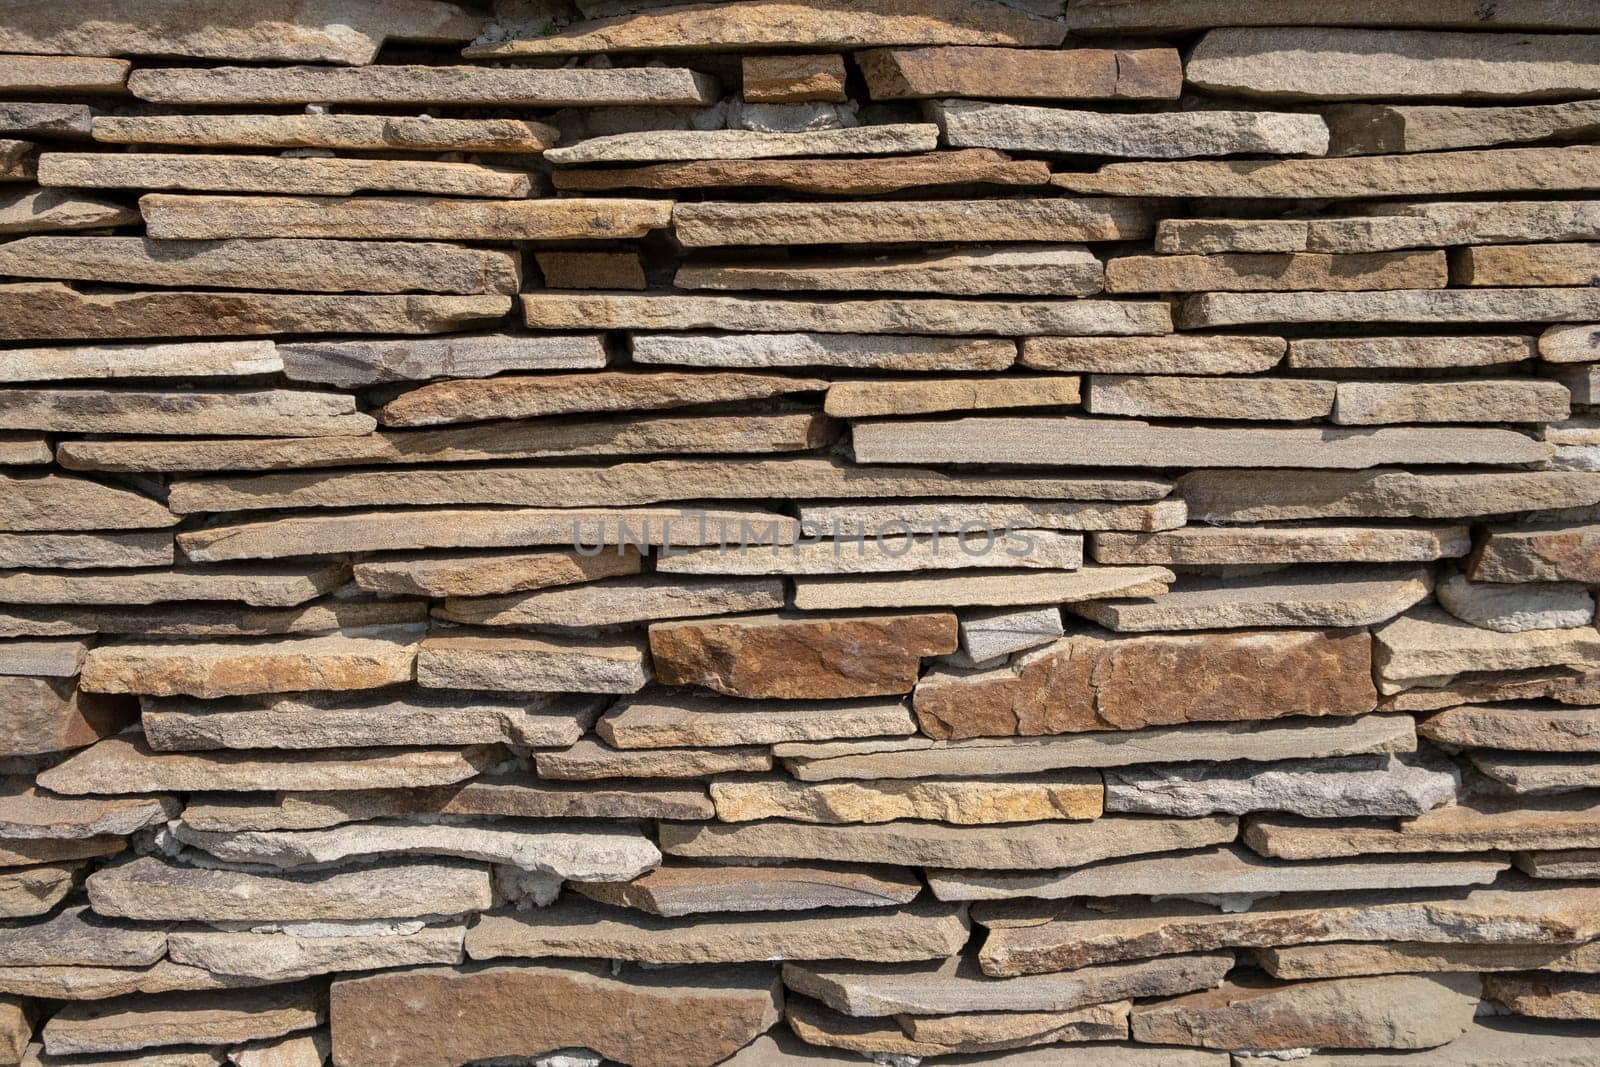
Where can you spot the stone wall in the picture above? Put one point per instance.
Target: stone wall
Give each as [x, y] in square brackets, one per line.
[780, 532]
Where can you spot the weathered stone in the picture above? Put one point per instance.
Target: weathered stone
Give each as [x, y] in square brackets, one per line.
[801, 658]
[1324, 788]
[997, 588]
[368, 362]
[685, 890]
[203, 619]
[952, 516]
[1065, 440]
[517, 397]
[1536, 774]
[1021, 270]
[1526, 265]
[1169, 135]
[51, 311]
[312, 266]
[201, 359]
[182, 1019]
[857, 177]
[99, 983]
[1177, 396]
[148, 888]
[1570, 344]
[1480, 400]
[1311, 596]
[1000, 632]
[527, 663]
[1168, 16]
[34, 891]
[1545, 996]
[824, 350]
[972, 802]
[1276, 272]
[683, 721]
[27, 814]
[126, 765]
[566, 850]
[1202, 545]
[589, 759]
[1224, 871]
[1559, 822]
[1091, 681]
[1268, 496]
[556, 310]
[672, 145]
[1392, 1011]
[43, 210]
[346, 31]
[44, 121]
[943, 1035]
[418, 717]
[647, 1018]
[393, 531]
[1522, 727]
[1353, 64]
[46, 715]
[283, 956]
[1538, 553]
[460, 86]
[1435, 223]
[1023, 846]
[53, 502]
[43, 659]
[1015, 219]
[795, 79]
[77, 937]
[1344, 959]
[50, 75]
[1517, 606]
[243, 412]
[372, 133]
[1569, 685]
[884, 553]
[1427, 643]
[1010, 73]
[1385, 352]
[296, 1050]
[266, 586]
[1427, 174]
[1572, 863]
[1257, 741]
[579, 928]
[629, 484]
[1425, 306]
[1207, 237]
[1038, 938]
[752, 24]
[273, 174]
[1153, 355]
[489, 573]
[618, 601]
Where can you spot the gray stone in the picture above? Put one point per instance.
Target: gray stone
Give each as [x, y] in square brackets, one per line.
[1031, 549]
[1241, 496]
[1512, 607]
[1220, 545]
[663, 145]
[373, 133]
[704, 225]
[273, 174]
[1001, 270]
[616, 601]
[1323, 788]
[282, 956]
[875, 351]
[983, 589]
[472, 659]
[986, 634]
[44, 210]
[672, 720]
[1172, 135]
[1178, 396]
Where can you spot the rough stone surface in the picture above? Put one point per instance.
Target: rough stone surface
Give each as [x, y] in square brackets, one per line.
[1009, 73]
[1327, 788]
[1015, 127]
[1063, 795]
[1516, 606]
[684, 890]
[1020, 270]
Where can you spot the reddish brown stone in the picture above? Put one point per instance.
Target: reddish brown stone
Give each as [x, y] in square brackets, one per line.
[50, 715]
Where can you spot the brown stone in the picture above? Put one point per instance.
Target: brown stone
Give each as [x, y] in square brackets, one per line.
[43, 210]
[1020, 74]
[674, 890]
[307, 176]
[45, 715]
[64, 75]
[725, 223]
[1545, 996]
[1520, 727]
[1168, 396]
[944, 1035]
[997, 588]
[1090, 681]
[1268, 495]
[1275, 272]
[1385, 352]
[859, 177]
[35, 891]
[801, 658]
[650, 1019]
[589, 759]
[182, 1019]
[673, 720]
[1392, 1011]
[591, 270]
[28, 814]
[1350, 958]
[54, 502]
[1191, 545]
[796, 79]
[1479, 400]
[1555, 823]
[371, 133]
[973, 802]
[1538, 553]
[1178, 354]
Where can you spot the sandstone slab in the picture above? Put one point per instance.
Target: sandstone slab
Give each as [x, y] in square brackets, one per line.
[984, 589]
[1519, 727]
[856, 177]
[1178, 354]
[794, 79]
[257, 585]
[1014, 219]
[618, 601]
[589, 760]
[52, 502]
[865, 351]
[1182, 396]
[969, 802]
[527, 663]
[271, 174]
[1002, 270]
[55, 75]
[1206, 545]
[1386, 352]
[1168, 135]
[1427, 643]
[1010, 73]
[674, 890]
[1422, 306]
[1556, 823]
[1325, 788]
[199, 359]
[47, 210]
[673, 720]
[1539, 552]
[1481, 400]
[371, 133]
[1351, 958]
[490, 573]
[950, 517]
[1034, 549]
[658, 146]
[945, 1035]
[367, 362]
[46, 715]
[1545, 996]
[182, 1019]
[1238, 496]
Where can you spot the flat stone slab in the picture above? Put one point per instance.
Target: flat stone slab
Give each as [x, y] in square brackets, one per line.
[1422, 306]
[1538, 552]
[282, 956]
[1385, 352]
[45, 210]
[51, 75]
[478, 574]
[27, 814]
[53, 502]
[1012, 73]
[673, 890]
[657, 146]
[1378, 403]
[589, 759]
[1168, 16]
[271, 174]
[1221, 871]
[261, 586]
[1182, 396]
[1347, 958]
[1556, 823]
[1256, 741]
[618, 601]
[680, 720]
[962, 802]
[183, 1019]
[1205, 545]
[874, 351]
[947, 1035]
[994, 588]
[372, 133]
[1025, 846]
[149, 888]
[1241, 496]
[75, 937]
[1512, 607]
[198, 359]
[856, 176]
[951, 516]
[997, 270]
[1170, 135]
[1322, 788]
[1536, 774]
[1276, 272]
[1429, 644]
[580, 928]
[1028, 549]
[469, 659]
[1520, 727]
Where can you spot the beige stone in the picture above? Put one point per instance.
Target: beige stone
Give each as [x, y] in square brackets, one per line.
[43, 210]
[656, 146]
[294, 413]
[52, 311]
[801, 657]
[52, 75]
[372, 133]
[1522, 727]
[686, 890]
[1426, 174]
[182, 1019]
[1162, 135]
[518, 87]
[1570, 863]
[951, 516]
[296, 1050]
[199, 359]
[1018, 269]
[151, 889]
[651, 1019]
[28, 814]
[795, 79]
[271, 174]
[1204, 545]
[46, 121]
[1423, 306]
[865, 351]
[1526, 265]
[1353, 64]
[125, 765]
[579, 928]
[1015, 219]
[34, 891]
[1570, 344]
[201, 619]
[1178, 396]
[266, 586]
[855, 177]
[1267, 496]
[1539, 552]
[1479, 400]
[469, 659]
[1545, 996]
[314, 266]
[489, 573]
[1350, 958]
[1559, 823]
[1384, 352]
[918, 1036]
[1410, 224]
[1532, 774]
[885, 553]
[1255, 741]
[51, 502]
[1011, 73]
[75, 936]
[972, 802]
[1391, 1011]
[1427, 643]
[684, 721]
[403, 218]
[1024, 846]
[1093, 681]
[989, 589]
[1177, 354]
[1167, 16]
[747, 24]
[589, 759]
[1276, 272]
